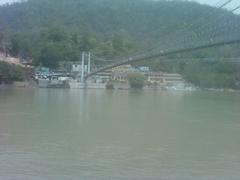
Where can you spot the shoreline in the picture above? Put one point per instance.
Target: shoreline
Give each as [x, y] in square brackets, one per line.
[29, 85]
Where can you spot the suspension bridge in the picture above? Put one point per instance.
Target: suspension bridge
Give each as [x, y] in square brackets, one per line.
[226, 33]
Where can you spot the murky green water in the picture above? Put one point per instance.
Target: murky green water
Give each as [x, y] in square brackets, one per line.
[94, 134]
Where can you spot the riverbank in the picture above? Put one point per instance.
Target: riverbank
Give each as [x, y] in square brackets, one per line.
[19, 84]
[32, 84]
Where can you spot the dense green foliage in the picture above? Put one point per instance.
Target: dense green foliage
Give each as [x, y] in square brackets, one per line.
[9, 73]
[55, 44]
[215, 71]
[49, 31]
[213, 74]
[136, 80]
[209, 74]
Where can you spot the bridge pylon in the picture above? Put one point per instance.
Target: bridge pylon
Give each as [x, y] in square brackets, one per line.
[85, 70]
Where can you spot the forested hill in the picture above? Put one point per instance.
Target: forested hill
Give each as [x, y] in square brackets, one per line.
[49, 31]
[135, 18]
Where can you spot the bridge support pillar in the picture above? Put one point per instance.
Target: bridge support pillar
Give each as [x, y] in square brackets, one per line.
[89, 62]
[83, 67]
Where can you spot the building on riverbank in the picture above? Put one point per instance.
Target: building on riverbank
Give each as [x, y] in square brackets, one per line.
[10, 60]
[102, 77]
[118, 76]
[171, 79]
[164, 79]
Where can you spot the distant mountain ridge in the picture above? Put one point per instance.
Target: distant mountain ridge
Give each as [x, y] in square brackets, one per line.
[134, 18]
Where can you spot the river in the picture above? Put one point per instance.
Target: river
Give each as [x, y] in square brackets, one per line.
[58, 134]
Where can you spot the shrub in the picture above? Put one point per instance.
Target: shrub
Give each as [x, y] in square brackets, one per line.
[136, 80]
[10, 72]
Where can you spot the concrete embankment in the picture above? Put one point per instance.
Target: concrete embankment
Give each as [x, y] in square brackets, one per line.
[17, 84]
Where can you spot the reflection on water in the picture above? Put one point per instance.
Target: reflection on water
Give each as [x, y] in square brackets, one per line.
[94, 134]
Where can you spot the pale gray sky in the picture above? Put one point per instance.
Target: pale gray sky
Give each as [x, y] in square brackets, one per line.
[234, 3]
[6, 1]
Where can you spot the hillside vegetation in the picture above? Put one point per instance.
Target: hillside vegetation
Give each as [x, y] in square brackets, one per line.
[9, 73]
[58, 30]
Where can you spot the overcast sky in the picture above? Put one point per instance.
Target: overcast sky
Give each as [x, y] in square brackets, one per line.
[210, 2]
[6, 1]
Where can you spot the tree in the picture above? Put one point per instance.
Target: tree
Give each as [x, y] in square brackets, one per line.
[51, 54]
[88, 42]
[10, 73]
[136, 80]
[1, 41]
[118, 43]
